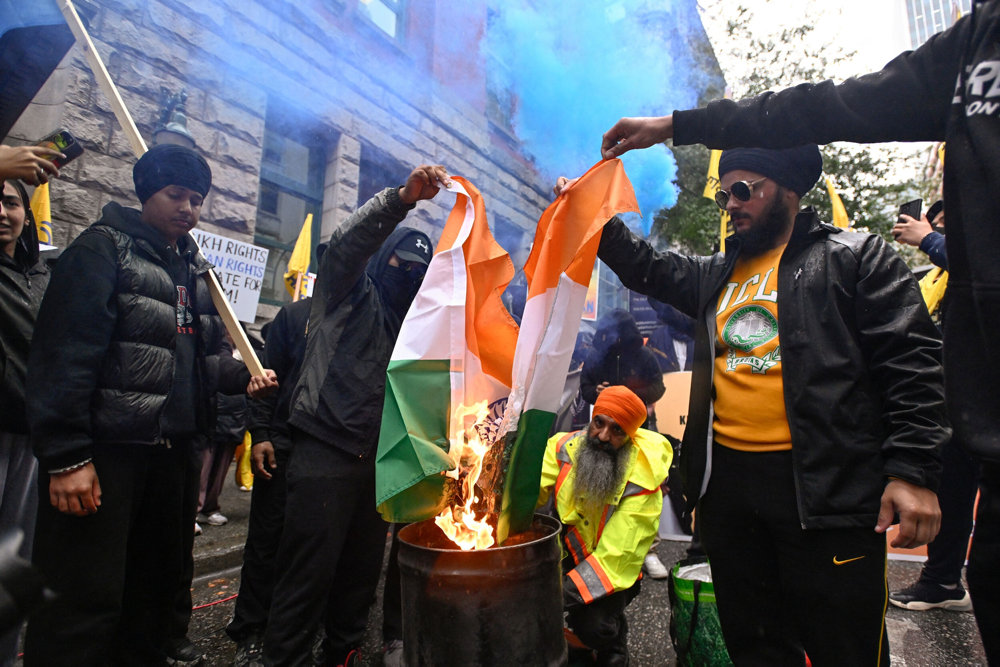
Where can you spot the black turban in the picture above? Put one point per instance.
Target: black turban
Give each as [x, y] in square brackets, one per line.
[797, 168]
[169, 164]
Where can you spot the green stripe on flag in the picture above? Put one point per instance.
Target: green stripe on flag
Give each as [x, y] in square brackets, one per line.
[413, 442]
[524, 474]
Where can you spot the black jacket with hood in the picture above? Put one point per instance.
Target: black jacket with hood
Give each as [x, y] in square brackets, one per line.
[860, 363]
[107, 364]
[357, 310]
[284, 350]
[618, 357]
[948, 89]
[23, 279]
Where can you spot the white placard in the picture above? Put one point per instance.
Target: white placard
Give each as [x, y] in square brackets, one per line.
[240, 267]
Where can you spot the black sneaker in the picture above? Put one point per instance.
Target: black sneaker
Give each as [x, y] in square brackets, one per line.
[183, 652]
[922, 596]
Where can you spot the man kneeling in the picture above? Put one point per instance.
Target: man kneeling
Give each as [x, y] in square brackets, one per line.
[607, 494]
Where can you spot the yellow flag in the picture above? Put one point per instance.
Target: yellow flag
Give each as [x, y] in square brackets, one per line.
[932, 287]
[839, 212]
[42, 210]
[711, 187]
[712, 182]
[298, 263]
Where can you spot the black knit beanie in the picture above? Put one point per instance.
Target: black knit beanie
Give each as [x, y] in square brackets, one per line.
[169, 164]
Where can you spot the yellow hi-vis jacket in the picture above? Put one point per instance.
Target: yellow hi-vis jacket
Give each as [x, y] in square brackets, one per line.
[608, 549]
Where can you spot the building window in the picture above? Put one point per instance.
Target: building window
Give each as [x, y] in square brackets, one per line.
[929, 17]
[378, 170]
[387, 15]
[500, 101]
[292, 171]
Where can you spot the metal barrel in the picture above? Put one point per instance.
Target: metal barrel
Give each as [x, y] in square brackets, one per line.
[497, 606]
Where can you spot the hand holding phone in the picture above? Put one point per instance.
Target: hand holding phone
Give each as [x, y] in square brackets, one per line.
[31, 164]
[912, 208]
[66, 144]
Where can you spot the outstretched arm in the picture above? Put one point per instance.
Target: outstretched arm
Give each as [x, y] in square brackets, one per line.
[629, 133]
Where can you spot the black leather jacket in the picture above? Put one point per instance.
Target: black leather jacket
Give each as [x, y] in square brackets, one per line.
[860, 360]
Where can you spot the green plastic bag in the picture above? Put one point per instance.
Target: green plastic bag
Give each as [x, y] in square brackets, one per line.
[694, 619]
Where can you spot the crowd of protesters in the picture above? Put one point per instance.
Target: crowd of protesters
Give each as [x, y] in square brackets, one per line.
[820, 408]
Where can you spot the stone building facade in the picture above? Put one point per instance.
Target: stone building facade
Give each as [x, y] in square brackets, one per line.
[299, 107]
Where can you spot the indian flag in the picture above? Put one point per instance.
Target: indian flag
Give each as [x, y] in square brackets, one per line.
[455, 349]
[558, 271]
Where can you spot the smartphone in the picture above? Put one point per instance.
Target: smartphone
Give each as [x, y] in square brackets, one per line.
[65, 143]
[933, 211]
[912, 208]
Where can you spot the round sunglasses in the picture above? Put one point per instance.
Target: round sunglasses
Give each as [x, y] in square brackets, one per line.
[742, 190]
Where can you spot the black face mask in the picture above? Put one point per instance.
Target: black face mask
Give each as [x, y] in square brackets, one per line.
[399, 286]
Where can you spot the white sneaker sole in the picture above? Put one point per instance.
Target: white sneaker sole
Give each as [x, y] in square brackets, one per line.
[965, 604]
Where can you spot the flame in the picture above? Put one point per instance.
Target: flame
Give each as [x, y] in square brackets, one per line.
[459, 522]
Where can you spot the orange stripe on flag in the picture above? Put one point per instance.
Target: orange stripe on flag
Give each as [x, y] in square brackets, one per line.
[569, 230]
[490, 331]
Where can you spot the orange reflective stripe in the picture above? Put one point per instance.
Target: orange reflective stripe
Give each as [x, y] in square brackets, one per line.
[561, 454]
[601, 574]
[576, 546]
[608, 511]
[633, 489]
[581, 586]
[563, 473]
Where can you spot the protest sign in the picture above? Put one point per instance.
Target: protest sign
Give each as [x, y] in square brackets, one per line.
[240, 267]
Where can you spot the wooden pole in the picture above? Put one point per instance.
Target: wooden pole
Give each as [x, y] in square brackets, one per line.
[298, 286]
[103, 78]
[139, 147]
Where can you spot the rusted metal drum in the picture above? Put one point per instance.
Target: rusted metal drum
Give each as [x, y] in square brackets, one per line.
[498, 606]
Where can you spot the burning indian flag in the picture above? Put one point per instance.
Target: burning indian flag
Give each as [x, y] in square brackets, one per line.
[449, 375]
[466, 392]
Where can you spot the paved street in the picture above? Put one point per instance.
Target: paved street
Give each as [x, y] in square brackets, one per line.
[916, 639]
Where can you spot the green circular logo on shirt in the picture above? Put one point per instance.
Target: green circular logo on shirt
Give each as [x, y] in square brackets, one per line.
[749, 327]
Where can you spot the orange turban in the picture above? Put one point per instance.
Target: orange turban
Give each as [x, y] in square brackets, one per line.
[621, 404]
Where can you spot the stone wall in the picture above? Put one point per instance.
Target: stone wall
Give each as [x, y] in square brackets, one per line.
[420, 98]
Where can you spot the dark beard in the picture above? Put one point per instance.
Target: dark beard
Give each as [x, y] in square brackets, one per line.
[763, 237]
[599, 470]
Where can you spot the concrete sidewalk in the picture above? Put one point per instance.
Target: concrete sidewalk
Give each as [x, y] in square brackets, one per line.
[916, 639]
[220, 548]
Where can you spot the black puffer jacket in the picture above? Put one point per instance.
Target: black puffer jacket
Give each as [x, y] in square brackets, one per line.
[860, 363]
[23, 279]
[103, 363]
[353, 325]
[946, 90]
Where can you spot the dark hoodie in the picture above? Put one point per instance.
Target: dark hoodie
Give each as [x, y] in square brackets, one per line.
[23, 279]
[120, 351]
[358, 307]
[619, 358]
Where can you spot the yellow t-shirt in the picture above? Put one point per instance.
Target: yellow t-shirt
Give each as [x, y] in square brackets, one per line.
[749, 396]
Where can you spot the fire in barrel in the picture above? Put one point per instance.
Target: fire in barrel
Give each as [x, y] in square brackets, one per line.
[470, 401]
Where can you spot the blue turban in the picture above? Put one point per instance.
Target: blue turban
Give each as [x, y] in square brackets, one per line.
[170, 164]
[797, 168]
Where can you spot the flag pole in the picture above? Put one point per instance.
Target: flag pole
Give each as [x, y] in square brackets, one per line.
[298, 287]
[139, 148]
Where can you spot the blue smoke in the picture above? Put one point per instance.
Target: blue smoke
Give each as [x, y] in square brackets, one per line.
[574, 69]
